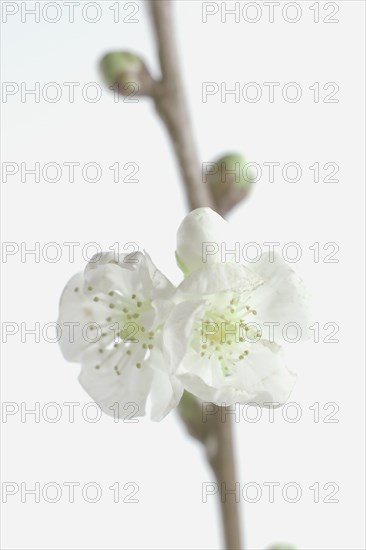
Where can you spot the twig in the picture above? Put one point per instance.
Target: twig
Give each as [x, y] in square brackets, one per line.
[125, 70]
[214, 431]
[171, 105]
[223, 464]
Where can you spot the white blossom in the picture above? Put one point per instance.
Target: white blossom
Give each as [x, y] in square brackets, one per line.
[118, 307]
[215, 337]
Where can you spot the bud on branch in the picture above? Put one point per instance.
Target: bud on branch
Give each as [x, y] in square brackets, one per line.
[229, 180]
[124, 70]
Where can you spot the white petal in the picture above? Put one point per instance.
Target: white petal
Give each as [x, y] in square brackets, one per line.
[261, 378]
[77, 310]
[130, 274]
[166, 392]
[161, 287]
[110, 273]
[199, 238]
[124, 260]
[265, 374]
[281, 299]
[124, 395]
[216, 278]
[177, 332]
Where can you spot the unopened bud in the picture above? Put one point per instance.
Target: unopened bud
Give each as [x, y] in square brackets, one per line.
[227, 172]
[127, 72]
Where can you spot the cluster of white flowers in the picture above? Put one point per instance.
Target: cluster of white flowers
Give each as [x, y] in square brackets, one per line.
[153, 341]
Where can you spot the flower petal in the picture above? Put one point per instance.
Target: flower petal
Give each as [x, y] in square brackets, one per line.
[165, 394]
[128, 273]
[161, 287]
[212, 279]
[131, 391]
[177, 331]
[262, 378]
[281, 299]
[121, 395]
[77, 311]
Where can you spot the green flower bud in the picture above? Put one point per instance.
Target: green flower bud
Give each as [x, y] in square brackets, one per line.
[230, 171]
[127, 72]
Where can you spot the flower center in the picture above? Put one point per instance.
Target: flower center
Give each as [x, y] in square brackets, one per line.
[126, 332]
[226, 331]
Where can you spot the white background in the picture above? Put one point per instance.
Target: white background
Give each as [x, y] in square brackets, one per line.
[168, 466]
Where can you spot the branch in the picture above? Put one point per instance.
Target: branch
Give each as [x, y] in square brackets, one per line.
[214, 430]
[223, 464]
[171, 104]
[126, 71]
